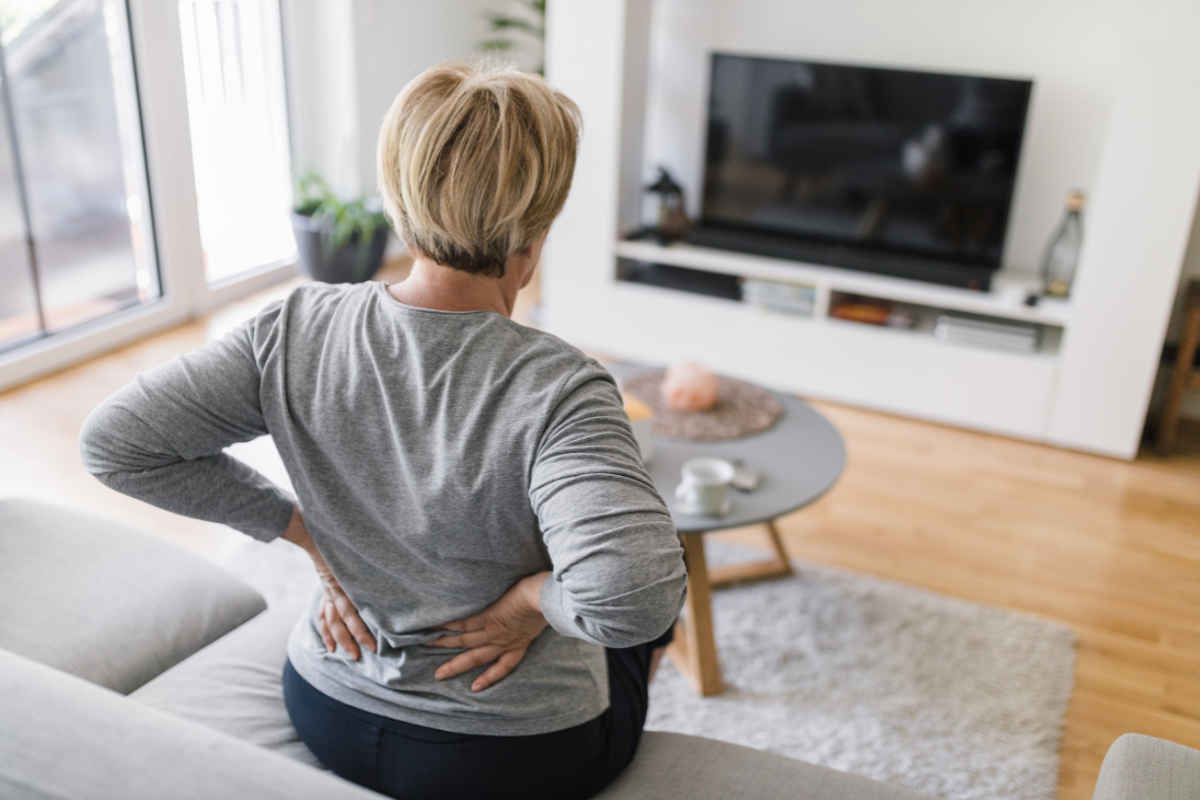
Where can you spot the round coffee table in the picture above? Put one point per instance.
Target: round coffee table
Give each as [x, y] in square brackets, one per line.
[800, 458]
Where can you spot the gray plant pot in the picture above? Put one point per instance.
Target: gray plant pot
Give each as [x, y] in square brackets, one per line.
[349, 263]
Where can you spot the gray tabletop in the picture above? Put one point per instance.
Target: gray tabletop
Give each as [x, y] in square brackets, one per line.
[800, 457]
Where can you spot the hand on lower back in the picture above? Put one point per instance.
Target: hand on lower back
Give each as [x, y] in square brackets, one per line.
[338, 620]
[499, 635]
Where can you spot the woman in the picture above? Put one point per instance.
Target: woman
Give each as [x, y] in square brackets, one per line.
[463, 483]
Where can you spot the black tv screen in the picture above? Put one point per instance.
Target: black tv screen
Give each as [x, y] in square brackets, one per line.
[901, 172]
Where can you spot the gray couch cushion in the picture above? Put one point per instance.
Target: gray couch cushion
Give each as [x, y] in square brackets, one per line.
[65, 738]
[670, 766]
[1144, 768]
[105, 602]
[234, 686]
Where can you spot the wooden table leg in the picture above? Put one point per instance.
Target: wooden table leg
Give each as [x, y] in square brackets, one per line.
[775, 566]
[1181, 377]
[694, 651]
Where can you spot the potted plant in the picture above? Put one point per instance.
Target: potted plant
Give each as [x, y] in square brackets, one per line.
[337, 242]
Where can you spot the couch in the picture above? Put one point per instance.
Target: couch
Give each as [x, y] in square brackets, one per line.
[132, 669]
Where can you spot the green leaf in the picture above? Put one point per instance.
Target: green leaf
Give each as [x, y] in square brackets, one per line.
[509, 23]
[339, 222]
[529, 27]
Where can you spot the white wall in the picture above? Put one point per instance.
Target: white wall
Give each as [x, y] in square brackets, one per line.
[1146, 188]
[394, 41]
[1072, 49]
[318, 37]
[347, 59]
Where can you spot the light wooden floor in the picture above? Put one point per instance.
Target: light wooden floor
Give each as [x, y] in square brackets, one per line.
[1110, 548]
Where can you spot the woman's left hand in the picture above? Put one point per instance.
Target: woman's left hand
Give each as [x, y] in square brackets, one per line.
[338, 621]
[499, 635]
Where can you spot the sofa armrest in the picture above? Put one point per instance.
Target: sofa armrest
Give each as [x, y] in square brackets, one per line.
[1144, 768]
[65, 737]
[673, 766]
[106, 602]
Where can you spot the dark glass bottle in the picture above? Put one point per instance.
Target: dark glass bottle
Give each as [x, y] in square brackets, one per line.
[1062, 254]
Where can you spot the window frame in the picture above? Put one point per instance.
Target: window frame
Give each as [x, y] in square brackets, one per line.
[157, 48]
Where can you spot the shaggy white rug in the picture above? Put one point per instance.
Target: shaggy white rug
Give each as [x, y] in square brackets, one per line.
[948, 697]
[952, 698]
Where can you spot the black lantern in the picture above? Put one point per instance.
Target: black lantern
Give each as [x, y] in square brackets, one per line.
[672, 222]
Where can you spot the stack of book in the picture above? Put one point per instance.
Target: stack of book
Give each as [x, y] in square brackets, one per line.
[1002, 335]
[785, 298]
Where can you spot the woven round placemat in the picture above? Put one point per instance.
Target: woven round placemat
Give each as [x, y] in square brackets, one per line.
[741, 409]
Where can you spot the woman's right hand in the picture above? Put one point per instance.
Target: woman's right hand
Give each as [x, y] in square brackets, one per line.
[338, 620]
[501, 633]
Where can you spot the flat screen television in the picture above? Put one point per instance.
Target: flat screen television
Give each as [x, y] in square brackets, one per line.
[890, 171]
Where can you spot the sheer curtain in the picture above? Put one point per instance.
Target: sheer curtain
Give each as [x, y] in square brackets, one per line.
[237, 110]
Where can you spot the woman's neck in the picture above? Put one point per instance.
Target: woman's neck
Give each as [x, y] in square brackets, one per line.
[441, 288]
[432, 285]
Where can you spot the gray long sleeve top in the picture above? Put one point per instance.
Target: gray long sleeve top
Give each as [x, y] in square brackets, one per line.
[438, 457]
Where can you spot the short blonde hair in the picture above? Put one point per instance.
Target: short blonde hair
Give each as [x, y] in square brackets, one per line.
[475, 162]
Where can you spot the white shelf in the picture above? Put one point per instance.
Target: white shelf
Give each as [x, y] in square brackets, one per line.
[900, 372]
[1006, 300]
[921, 336]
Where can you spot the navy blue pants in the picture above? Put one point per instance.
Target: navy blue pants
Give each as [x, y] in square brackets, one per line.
[416, 763]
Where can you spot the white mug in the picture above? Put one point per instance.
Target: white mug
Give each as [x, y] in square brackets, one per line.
[705, 487]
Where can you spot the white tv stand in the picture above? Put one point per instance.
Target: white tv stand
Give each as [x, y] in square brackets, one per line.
[900, 371]
[1089, 384]
[1006, 300]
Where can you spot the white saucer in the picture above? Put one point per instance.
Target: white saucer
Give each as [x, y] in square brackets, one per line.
[692, 511]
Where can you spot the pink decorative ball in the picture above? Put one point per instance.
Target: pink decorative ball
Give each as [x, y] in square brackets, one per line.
[688, 386]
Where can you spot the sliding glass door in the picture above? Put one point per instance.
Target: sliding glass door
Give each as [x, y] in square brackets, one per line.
[76, 225]
[144, 170]
[20, 304]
